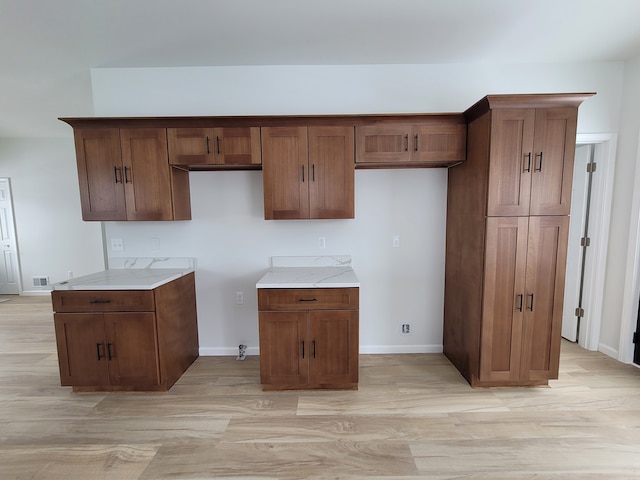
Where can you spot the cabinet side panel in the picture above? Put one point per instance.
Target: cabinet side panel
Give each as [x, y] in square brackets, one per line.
[180, 194]
[177, 327]
[466, 203]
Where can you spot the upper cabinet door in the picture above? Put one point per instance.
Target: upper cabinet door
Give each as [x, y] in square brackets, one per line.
[331, 163]
[146, 173]
[383, 144]
[438, 143]
[237, 146]
[511, 162]
[554, 151]
[190, 146]
[100, 173]
[285, 170]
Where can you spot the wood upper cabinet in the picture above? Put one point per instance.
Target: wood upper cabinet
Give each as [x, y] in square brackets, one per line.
[308, 172]
[523, 299]
[531, 161]
[124, 175]
[428, 144]
[309, 338]
[214, 146]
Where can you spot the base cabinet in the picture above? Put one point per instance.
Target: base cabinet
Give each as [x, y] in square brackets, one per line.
[302, 346]
[108, 342]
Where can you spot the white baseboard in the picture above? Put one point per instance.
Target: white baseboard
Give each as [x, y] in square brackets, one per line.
[35, 293]
[364, 349]
[611, 352]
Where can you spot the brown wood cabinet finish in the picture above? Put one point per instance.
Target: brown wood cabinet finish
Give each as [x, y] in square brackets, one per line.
[411, 145]
[532, 153]
[506, 239]
[308, 172]
[214, 146]
[124, 175]
[107, 344]
[309, 338]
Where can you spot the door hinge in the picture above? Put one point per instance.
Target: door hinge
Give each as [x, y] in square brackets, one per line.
[580, 312]
[591, 167]
[585, 241]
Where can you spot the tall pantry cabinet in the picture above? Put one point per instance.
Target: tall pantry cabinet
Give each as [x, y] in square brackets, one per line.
[507, 226]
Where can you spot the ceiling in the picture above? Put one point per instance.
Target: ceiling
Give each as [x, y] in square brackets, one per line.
[47, 48]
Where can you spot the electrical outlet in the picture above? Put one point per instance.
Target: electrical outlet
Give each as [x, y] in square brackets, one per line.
[117, 245]
[406, 328]
[70, 274]
[396, 241]
[321, 242]
[155, 244]
[239, 298]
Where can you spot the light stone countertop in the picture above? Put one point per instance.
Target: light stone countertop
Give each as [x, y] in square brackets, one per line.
[305, 272]
[132, 273]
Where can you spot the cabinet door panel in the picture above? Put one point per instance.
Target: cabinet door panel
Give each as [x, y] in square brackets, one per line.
[545, 277]
[237, 146]
[438, 143]
[383, 144]
[334, 340]
[146, 173]
[331, 160]
[132, 349]
[554, 151]
[511, 154]
[100, 174]
[503, 301]
[190, 146]
[82, 354]
[284, 348]
[285, 172]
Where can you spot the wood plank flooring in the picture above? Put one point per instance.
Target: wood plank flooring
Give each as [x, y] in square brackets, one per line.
[413, 417]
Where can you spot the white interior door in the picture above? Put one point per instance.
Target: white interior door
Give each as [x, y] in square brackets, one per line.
[9, 266]
[574, 251]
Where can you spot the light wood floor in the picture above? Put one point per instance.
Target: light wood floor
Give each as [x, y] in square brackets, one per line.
[413, 417]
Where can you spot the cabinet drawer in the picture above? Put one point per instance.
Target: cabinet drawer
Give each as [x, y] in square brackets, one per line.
[308, 298]
[103, 301]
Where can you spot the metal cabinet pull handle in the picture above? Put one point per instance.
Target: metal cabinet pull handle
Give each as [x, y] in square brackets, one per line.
[115, 175]
[302, 173]
[406, 143]
[100, 357]
[520, 297]
[539, 167]
[208, 151]
[302, 349]
[307, 299]
[109, 354]
[314, 349]
[126, 175]
[415, 143]
[528, 158]
[531, 306]
[218, 144]
[313, 172]
[99, 301]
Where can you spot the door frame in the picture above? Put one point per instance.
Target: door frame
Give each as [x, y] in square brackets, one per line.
[631, 295]
[599, 225]
[12, 226]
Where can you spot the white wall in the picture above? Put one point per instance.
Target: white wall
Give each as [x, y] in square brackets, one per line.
[52, 238]
[232, 241]
[621, 281]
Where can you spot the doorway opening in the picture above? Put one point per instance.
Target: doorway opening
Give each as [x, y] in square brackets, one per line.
[588, 239]
[10, 283]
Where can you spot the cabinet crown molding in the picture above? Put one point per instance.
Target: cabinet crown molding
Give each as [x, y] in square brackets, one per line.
[534, 100]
